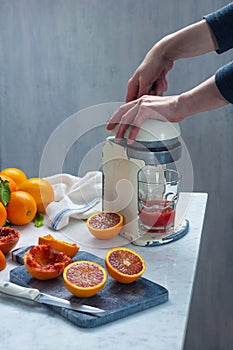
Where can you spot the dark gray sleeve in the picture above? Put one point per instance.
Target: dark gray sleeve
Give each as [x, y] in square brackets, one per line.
[221, 23]
[224, 81]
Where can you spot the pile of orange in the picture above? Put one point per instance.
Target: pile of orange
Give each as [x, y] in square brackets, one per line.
[27, 197]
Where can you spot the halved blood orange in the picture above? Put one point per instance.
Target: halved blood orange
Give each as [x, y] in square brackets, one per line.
[84, 278]
[69, 249]
[8, 238]
[105, 224]
[124, 264]
[43, 262]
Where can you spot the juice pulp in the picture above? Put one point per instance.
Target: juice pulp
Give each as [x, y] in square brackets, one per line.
[157, 214]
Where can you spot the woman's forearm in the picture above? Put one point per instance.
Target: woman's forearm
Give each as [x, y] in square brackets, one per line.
[194, 40]
[201, 98]
[150, 76]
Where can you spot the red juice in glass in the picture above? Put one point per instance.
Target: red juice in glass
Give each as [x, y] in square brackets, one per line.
[157, 215]
[158, 191]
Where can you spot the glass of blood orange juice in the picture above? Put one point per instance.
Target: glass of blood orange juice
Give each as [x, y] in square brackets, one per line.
[158, 192]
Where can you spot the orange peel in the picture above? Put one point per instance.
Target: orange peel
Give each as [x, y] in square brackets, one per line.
[44, 263]
[9, 237]
[70, 249]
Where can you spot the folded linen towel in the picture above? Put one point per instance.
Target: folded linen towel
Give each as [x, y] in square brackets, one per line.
[75, 197]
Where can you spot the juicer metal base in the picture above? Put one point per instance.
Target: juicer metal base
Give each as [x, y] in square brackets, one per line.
[147, 241]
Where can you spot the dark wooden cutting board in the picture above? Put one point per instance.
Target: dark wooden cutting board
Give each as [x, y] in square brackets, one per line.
[119, 300]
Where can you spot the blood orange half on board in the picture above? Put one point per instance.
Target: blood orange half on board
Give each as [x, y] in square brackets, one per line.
[84, 278]
[124, 264]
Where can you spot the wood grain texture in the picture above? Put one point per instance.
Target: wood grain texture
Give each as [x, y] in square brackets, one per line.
[57, 57]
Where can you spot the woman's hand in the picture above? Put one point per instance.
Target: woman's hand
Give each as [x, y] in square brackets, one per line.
[150, 77]
[132, 114]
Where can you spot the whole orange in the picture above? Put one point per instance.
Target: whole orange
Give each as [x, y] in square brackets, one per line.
[2, 261]
[12, 184]
[15, 174]
[21, 208]
[3, 215]
[41, 191]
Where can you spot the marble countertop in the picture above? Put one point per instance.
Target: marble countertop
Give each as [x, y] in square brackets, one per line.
[28, 326]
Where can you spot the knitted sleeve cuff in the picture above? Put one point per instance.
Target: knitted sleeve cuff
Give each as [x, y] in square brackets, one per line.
[221, 23]
[224, 81]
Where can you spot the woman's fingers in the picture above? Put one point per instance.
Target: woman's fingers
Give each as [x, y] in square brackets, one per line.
[118, 115]
[127, 120]
[132, 121]
[130, 116]
[132, 89]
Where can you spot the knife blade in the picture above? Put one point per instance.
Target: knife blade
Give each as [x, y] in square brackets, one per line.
[33, 294]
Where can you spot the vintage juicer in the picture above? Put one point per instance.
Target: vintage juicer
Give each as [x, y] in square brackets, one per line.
[156, 150]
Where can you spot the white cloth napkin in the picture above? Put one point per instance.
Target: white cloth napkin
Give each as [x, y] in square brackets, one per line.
[75, 197]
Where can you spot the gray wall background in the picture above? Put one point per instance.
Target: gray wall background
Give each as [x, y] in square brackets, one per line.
[60, 56]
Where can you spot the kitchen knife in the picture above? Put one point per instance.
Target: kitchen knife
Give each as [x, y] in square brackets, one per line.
[17, 291]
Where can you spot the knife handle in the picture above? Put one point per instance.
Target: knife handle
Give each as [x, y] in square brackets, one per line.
[18, 291]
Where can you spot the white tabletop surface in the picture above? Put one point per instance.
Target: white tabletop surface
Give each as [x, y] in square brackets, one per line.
[27, 326]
